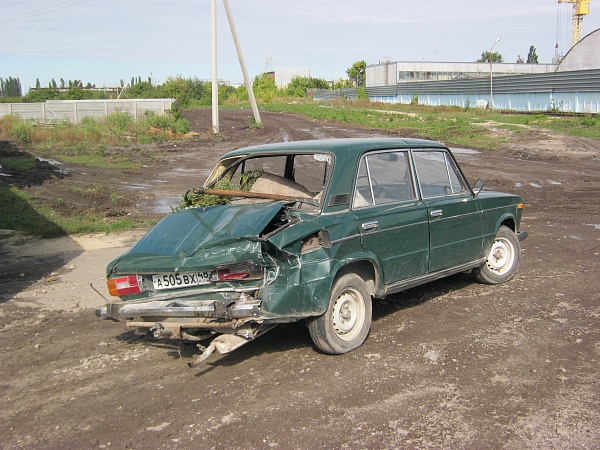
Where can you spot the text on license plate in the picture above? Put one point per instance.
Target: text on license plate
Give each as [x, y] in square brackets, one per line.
[179, 280]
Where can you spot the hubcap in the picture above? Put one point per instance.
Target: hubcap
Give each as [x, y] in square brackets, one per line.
[348, 314]
[501, 257]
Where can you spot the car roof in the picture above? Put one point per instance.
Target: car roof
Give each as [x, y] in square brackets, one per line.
[344, 147]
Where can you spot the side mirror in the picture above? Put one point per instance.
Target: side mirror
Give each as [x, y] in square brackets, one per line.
[477, 187]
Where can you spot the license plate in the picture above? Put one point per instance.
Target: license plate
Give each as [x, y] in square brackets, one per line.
[180, 280]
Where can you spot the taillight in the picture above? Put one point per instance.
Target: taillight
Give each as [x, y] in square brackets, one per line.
[236, 273]
[239, 272]
[124, 286]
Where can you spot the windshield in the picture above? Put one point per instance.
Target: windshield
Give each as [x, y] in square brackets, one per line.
[300, 176]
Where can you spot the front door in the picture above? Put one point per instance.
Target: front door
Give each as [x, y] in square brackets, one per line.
[455, 220]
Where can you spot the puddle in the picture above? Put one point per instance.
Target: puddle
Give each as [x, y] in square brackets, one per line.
[464, 151]
[164, 205]
[519, 184]
[5, 175]
[555, 182]
[49, 161]
[536, 185]
[136, 186]
[593, 225]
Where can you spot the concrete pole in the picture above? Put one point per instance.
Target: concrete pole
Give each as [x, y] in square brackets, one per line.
[215, 78]
[492, 74]
[240, 55]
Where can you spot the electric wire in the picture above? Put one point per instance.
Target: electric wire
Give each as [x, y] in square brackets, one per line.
[46, 10]
[15, 3]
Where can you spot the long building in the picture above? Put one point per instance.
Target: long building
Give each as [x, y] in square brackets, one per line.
[392, 73]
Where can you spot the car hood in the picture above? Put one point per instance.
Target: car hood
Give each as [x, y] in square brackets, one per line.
[199, 239]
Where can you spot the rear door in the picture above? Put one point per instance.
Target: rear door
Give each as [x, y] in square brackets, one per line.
[455, 220]
[393, 223]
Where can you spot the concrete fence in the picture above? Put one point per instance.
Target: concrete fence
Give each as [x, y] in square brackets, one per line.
[53, 111]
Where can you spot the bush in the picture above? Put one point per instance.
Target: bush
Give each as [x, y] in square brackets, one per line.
[22, 131]
[119, 123]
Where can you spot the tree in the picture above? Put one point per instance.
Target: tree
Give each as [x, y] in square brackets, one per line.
[10, 87]
[495, 57]
[37, 83]
[264, 87]
[299, 85]
[357, 73]
[532, 57]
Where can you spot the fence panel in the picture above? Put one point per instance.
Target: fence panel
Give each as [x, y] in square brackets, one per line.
[53, 111]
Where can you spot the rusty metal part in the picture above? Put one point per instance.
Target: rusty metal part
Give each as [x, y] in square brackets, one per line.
[226, 343]
[227, 193]
[201, 326]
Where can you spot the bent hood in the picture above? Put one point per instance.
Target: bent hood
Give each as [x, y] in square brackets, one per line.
[199, 239]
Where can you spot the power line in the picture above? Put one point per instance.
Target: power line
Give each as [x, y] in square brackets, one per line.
[15, 3]
[46, 10]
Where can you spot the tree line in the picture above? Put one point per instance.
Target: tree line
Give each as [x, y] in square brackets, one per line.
[188, 91]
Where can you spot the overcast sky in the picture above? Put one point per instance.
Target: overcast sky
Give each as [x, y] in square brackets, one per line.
[104, 41]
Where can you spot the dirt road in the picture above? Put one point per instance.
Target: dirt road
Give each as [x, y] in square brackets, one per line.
[453, 364]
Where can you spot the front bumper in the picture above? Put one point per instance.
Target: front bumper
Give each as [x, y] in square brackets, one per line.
[218, 309]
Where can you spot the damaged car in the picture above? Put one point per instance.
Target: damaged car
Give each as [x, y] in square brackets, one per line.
[311, 231]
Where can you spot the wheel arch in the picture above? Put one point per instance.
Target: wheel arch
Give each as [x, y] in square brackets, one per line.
[364, 268]
[508, 222]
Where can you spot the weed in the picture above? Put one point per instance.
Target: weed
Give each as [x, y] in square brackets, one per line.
[22, 131]
[114, 198]
[254, 125]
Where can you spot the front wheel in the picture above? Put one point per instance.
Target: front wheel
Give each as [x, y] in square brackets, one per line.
[503, 259]
[347, 321]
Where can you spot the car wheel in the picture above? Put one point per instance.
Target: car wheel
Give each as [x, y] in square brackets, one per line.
[503, 259]
[346, 323]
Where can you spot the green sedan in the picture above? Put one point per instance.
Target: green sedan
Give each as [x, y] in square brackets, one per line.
[313, 231]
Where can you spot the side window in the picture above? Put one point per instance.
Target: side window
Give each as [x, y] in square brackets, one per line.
[383, 178]
[438, 176]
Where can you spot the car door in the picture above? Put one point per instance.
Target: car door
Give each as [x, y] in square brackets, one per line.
[455, 220]
[393, 223]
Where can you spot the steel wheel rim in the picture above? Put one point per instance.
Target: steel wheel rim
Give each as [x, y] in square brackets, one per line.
[348, 314]
[502, 256]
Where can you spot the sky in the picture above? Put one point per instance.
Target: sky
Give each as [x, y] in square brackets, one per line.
[105, 41]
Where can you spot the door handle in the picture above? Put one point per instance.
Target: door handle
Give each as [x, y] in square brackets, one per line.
[370, 225]
[437, 213]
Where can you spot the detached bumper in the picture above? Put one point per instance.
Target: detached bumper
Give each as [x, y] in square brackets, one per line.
[218, 309]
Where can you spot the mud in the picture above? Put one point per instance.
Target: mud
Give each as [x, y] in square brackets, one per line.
[453, 364]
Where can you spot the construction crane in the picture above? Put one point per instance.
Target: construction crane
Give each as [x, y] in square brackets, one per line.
[581, 8]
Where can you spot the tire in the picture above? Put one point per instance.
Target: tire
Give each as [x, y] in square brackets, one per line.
[347, 321]
[503, 259]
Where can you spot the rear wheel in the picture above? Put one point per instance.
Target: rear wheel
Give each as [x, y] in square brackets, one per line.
[503, 259]
[346, 323]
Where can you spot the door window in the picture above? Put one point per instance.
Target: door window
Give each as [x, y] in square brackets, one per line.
[383, 178]
[438, 174]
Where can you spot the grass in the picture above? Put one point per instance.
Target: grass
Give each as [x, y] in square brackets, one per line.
[451, 125]
[21, 212]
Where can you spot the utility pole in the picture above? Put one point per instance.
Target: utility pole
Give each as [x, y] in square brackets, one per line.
[492, 74]
[240, 55]
[215, 79]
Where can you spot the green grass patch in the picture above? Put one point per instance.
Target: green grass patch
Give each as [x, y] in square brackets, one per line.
[24, 214]
[18, 163]
[102, 162]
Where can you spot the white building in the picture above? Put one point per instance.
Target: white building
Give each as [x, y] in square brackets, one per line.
[396, 72]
